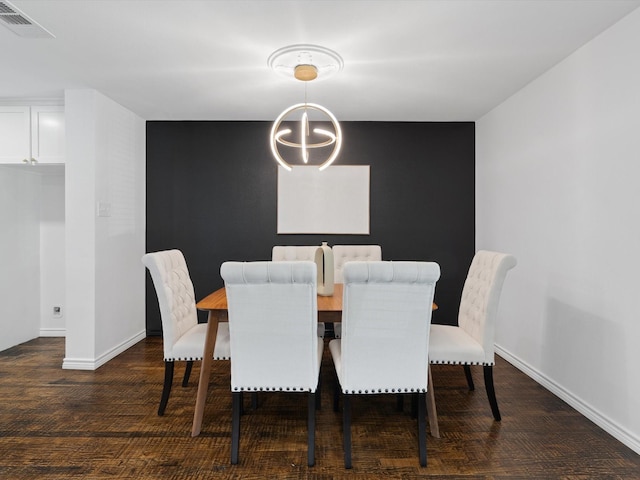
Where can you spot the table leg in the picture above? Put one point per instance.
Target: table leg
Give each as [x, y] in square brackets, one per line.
[432, 414]
[205, 372]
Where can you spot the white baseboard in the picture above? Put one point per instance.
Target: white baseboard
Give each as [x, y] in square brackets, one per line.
[93, 364]
[609, 426]
[53, 332]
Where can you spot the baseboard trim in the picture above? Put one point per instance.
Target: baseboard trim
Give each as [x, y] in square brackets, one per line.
[94, 364]
[609, 426]
[53, 332]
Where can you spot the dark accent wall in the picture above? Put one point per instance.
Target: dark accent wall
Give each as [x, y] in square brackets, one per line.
[212, 193]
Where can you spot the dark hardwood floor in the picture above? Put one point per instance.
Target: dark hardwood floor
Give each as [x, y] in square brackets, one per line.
[61, 424]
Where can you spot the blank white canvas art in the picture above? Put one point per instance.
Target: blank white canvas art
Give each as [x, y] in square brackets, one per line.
[332, 201]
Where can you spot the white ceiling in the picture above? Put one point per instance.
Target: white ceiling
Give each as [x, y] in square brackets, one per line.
[446, 60]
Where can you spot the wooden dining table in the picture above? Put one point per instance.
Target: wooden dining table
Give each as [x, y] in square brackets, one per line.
[329, 308]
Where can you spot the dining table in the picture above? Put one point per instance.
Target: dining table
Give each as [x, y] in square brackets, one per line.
[329, 310]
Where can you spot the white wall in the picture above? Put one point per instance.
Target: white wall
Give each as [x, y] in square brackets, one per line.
[19, 256]
[105, 277]
[52, 241]
[558, 168]
[120, 238]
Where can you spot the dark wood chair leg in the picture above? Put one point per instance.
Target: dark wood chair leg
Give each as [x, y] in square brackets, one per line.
[318, 395]
[254, 401]
[336, 394]
[311, 430]
[414, 406]
[399, 402]
[187, 373]
[422, 427]
[346, 429]
[236, 401]
[491, 393]
[467, 373]
[166, 389]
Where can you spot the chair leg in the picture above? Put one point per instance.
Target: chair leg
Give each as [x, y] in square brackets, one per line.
[187, 373]
[491, 393]
[336, 394]
[346, 427]
[467, 373]
[236, 400]
[254, 401]
[414, 406]
[318, 395]
[166, 389]
[311, 430]
[432, 413]
[399, 402]
[422, 427]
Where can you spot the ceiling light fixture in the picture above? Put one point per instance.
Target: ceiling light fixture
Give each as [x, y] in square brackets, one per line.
[305, 63]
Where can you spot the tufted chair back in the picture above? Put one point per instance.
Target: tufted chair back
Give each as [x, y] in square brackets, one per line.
[293, 253]
[176, 296]
[273, 315]
[385, 326]
[348, 253]
[297, 253]
[481, 296]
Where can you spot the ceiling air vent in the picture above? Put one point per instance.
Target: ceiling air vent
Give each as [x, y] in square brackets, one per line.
[21, 24]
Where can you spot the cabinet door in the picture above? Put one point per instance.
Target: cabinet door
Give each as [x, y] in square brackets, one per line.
[47, 134]
[15, 139]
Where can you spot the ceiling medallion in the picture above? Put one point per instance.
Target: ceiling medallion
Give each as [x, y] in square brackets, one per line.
[305, 63]
[285, 60]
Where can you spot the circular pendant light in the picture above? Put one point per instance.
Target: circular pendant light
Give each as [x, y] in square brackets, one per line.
[282, 136]
[305, 63]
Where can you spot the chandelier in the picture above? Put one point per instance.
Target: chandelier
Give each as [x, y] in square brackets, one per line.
[305, 63]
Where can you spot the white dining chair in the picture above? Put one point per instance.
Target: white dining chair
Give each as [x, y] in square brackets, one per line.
[353, 253]
[272, 325]
[182, 336]
[297, 253]
[294, 253]
[384, 347]
[350, 253]
[471, 341]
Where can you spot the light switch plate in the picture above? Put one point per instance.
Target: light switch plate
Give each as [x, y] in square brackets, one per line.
[104, 209]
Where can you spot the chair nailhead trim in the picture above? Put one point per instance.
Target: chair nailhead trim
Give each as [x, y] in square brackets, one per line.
[385, 390]
[194, 359]
[272, 389]
[451, 362]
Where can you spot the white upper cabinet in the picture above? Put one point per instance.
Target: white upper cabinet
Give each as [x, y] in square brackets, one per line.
[47, 134]
[15, 134]
[32, 135]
